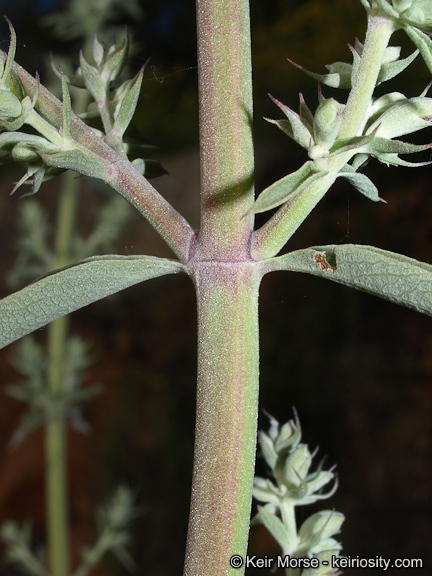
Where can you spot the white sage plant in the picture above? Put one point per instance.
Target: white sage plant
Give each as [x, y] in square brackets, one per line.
[227, 257]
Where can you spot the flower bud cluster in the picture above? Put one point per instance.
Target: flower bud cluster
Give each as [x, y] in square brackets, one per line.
[290, 462]
[16, 110]
[413, 16]
[44, 405]
[115, 107]
[385, 119]
[390, 116]
[326, 126]
[50, 152]
[295, 484]
[54, 148]
[113, 526]
[417, 13]
[318, 133]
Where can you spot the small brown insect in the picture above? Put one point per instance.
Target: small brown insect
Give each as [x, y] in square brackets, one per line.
[320, 258]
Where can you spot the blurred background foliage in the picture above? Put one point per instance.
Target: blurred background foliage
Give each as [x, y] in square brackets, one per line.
[358, 370]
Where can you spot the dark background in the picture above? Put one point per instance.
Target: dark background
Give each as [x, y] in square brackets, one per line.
[357, 369]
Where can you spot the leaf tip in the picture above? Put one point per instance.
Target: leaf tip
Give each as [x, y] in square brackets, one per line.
[11, 28]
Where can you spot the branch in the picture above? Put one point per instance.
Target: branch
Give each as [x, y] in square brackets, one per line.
[123, 177]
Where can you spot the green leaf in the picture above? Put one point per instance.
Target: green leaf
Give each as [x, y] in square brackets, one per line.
[77, 81]
[92, 81]
[363, 184]
[98, 51]
[305, 113]
[358, 161]
[24, 153]
[394, 160]
[10, 106]
[295, 127]
[266, 491]
[366, 4]
[403, 117]
[74, 287]
[126, 108]
[66, 109]
[320, 527]
[378, 145]
[285, 188]
[391, 54]
[327, 122]
[275, 527]
[268, 450]
[356, 60]
[380, 105]
[35, 170]
[401, 5]
[339, 75]
[423, 43]
[392, 69]
[116, 58]
[149, 168]
[5, 80]
[419, 15]
[395, 277]
[10, 140]
[346, 145]
[387, 8]
[84, 162]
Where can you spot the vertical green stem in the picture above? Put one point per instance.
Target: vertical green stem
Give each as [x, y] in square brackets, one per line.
[290, 523]
[227, 405]
[57, 509]
[226, 282]
[56, 442]
[379, 30]
[56, 461]
[226, 146]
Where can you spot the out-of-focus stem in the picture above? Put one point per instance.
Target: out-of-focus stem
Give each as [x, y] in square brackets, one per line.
[226, 282]
[56, 442]
[57, 508]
